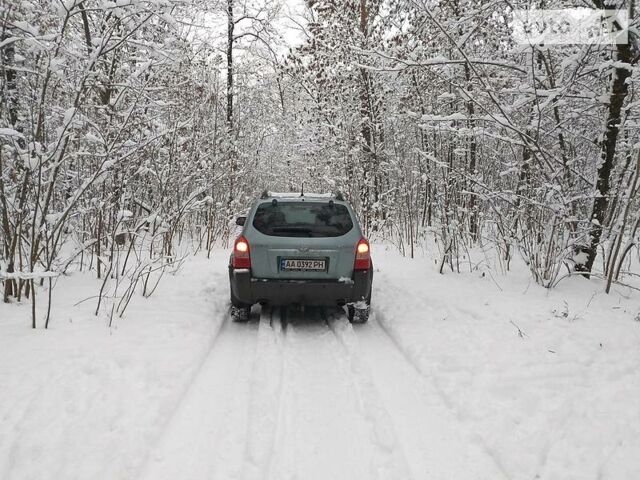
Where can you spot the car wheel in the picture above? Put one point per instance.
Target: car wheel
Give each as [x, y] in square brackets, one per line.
[350, 312]
[240, 312]
[358, 313]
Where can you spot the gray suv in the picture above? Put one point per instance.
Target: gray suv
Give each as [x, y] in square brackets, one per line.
[301, 249]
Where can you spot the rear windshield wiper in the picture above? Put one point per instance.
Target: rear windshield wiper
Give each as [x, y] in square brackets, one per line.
[292, 229]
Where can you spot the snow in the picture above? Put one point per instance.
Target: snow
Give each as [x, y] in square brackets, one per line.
[124, 215]
[68, 116]
[445, 118]
[581, 258]
[9, 41]
[9, 132]
[464, 376]
[36, 274]
[51, 218]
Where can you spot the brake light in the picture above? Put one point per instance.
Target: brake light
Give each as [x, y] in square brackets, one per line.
[363, 257]
[241, 253]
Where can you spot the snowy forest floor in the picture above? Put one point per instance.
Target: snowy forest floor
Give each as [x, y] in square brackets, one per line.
[451, 378]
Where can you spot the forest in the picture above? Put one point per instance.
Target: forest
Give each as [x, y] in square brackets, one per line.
[133, 132]
[456, 297]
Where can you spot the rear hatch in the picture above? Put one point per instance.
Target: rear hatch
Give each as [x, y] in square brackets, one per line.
[304, 240]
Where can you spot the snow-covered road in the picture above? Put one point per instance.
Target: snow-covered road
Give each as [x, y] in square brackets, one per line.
[300, 394]
[455, 377]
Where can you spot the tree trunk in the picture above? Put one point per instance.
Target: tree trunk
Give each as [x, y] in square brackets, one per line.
[471, 169]
[230, 28]
[230, 127]
[619, 90]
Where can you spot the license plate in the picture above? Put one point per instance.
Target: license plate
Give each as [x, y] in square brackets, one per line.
[303, 264]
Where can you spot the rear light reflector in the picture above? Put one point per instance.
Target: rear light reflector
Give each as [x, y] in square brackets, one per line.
[363, 257]
[241, 253]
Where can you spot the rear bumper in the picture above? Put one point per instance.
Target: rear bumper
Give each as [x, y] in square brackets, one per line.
[248, 290]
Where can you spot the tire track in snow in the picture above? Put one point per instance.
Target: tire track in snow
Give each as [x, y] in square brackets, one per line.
[265, 395]
[282, 461]
[306, 419]
[390, 461]
[25, 406]
[413, 356]
[326, 428]
[184, 392]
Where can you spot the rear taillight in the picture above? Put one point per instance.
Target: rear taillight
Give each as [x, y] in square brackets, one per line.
[241, 253]
[363, 256]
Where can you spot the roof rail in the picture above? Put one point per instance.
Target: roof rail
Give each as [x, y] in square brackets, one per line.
[337, 195]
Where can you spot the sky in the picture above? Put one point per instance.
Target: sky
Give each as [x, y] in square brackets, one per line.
[290, 27]
[289, 24]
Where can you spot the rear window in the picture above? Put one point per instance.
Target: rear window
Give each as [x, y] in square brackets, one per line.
[302, 219]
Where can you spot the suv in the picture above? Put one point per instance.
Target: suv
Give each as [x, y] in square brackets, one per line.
[301, 249]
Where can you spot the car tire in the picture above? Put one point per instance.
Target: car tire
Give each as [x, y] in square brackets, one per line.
[240, 312]
[358, 315]
[359, 312]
